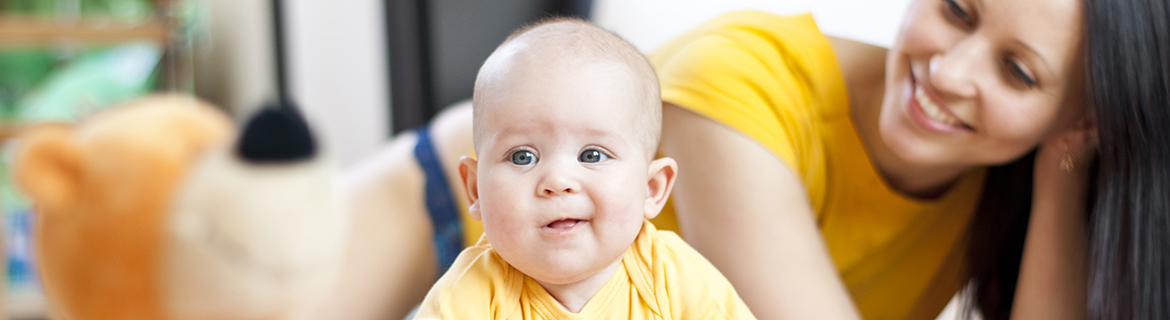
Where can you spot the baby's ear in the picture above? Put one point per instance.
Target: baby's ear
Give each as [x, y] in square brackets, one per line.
[48, 167]
[467, 169]
[661, 176]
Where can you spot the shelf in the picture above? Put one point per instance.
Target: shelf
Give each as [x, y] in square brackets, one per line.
[17, 31]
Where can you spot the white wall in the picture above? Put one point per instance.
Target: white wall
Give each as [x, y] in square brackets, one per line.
[651, 23]
[337, 58]
[236, 67]
[338, 73]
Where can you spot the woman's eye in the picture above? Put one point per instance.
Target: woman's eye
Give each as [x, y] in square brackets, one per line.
[592, 156]
[958, 12]
[523, 157]
[1019, 74]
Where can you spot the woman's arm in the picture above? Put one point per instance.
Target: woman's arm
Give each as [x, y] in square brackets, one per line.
[390, 263]
[741, 207]
[1052, 271]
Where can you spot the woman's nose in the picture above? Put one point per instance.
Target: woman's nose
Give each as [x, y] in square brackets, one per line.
[953, 72]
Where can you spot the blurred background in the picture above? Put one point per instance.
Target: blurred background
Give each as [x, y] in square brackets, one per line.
[361, 70]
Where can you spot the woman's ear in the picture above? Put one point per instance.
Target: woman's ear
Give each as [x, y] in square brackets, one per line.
[48, 167]
[467, 170]
[661, 176]
[1082, 133]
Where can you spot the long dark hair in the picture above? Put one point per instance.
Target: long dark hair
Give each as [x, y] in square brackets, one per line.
[1127, 59]
[997, 238]
[1128, 52]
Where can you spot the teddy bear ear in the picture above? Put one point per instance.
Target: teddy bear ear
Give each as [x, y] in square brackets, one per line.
[48, 167]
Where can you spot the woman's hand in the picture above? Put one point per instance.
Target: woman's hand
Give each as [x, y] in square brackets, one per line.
[1052, 271]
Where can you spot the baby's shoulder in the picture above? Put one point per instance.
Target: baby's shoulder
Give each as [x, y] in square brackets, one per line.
[685, 284]
[668, 250]
[479, 269]
[473, 285]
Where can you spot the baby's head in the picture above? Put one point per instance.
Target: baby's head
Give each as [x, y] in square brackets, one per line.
[567, 48]
[567, 123]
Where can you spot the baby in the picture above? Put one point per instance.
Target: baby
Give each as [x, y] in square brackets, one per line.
[567, 119]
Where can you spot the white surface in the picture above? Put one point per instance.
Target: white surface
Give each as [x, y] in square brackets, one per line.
[236, 68]
[337, 57]
[338, 73]
[649, 24]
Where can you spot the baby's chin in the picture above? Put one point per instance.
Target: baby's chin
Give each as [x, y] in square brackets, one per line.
[569, 272]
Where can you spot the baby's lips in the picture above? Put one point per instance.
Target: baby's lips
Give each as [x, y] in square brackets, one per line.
[564, 223]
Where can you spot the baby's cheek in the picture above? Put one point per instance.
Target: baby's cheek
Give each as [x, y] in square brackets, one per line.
[498, 222]
[626, 210]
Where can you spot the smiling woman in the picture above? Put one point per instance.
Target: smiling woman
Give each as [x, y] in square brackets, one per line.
[884, 165]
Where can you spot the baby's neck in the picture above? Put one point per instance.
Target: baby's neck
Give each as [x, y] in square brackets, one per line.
[574, 296]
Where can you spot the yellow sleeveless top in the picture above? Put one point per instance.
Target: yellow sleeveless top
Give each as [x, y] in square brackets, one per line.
[776, 80]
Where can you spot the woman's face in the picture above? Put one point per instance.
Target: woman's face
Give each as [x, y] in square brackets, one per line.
[981, 82]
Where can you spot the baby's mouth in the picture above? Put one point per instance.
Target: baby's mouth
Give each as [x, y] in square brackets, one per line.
[564, 224]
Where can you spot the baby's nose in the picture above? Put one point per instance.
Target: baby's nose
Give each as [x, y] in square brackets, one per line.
[558, 183]
[549, 192]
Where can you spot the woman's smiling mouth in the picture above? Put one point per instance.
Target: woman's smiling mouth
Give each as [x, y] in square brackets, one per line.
[933, 111]
[930, 114]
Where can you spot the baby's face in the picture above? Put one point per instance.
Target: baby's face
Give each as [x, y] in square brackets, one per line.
[562, 172]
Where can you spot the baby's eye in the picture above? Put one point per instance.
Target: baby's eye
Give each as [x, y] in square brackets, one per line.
[592, 156]
[523, 157]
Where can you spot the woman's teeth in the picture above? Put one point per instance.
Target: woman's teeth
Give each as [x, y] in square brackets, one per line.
[932, 110]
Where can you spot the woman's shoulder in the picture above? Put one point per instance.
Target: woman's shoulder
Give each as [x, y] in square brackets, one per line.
[863, 68]
[750, 58]
[763, 36]
[770, 77]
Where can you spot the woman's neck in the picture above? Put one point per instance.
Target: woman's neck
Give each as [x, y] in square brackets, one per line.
[574, 296]
[863, 68]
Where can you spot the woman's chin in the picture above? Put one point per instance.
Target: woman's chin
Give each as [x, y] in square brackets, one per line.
[913, 151]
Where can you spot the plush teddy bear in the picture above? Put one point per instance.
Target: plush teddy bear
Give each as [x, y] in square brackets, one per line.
[101, 190]
[150, 211]
[259, 229]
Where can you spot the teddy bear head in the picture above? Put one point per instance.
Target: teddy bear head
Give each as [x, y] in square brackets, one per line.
[101, 190]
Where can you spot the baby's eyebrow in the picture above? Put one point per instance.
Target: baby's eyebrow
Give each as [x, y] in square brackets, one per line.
[593, 132]
[515, 130]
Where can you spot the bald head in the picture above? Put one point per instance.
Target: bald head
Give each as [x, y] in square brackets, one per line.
[560, 43]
